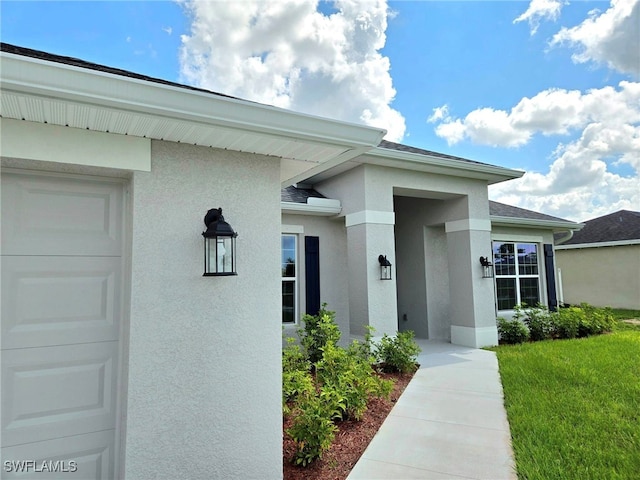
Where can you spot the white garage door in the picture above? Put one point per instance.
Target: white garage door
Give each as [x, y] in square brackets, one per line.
[61, 286]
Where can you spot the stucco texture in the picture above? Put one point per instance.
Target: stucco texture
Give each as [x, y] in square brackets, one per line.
[602, 276]
[204, 384]
[334, 288]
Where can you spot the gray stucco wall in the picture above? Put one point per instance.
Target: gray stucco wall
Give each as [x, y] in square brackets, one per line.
[204, 388]
[602, 276]
[433, 229]
[334, 287]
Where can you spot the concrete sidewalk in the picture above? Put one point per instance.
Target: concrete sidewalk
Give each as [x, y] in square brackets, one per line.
[450, 422]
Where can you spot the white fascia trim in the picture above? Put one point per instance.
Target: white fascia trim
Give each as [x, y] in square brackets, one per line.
[326, 209]
[618, 243]
[491, 171]
[370, 216]
[474, 337]
[33, 76]
[467, 224]
[555, 225]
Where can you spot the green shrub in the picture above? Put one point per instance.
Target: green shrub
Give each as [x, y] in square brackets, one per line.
[347, 380]
[293, 358]
[399, 353]
[567, 321]
[512, 331]
[318, 330]
[538, 319]
[312, 430]
[599, 320]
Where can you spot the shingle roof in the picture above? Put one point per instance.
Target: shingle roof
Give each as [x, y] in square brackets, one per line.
[420, 151]
[615, 227]
[76, 62]
[298, 195]
[503, 210]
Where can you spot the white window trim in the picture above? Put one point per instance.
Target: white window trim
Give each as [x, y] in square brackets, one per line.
[541, 276]
[297, 231]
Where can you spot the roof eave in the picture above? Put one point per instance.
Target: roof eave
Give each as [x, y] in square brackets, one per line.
[617, 243]
[414, 161]
[294, 208]
[555, 225]
[49, 83]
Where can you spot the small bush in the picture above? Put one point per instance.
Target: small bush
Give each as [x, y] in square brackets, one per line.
[399, 353]
[293, 358]
[512, 331]
[599, 320]
[567, 321]
[347, 380]
[312, 430]
[318, 330]
[538, 319]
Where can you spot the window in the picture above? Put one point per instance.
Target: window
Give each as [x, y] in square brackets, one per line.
[517, 274]
[289, 278]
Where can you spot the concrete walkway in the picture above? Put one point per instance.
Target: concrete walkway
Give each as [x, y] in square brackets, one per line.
[450, 422]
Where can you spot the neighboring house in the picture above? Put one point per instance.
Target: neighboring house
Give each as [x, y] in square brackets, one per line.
[600, 264]
[117, 352]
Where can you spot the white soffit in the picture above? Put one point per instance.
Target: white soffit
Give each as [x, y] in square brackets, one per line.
[56, 93]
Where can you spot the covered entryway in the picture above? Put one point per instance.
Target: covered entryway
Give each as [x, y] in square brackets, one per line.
[62, 309]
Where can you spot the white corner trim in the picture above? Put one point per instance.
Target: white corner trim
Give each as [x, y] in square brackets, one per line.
[618, 243]
[370, 216]
[474, 337]
[292, 229]
[468, 224]
[53, 143]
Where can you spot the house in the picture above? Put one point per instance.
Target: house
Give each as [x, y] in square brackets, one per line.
[429, 215]
[600, 264]
[120, 356]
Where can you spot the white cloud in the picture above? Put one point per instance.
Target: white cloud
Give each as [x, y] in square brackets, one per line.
[288, 54]
[540, 10]
[552, 111]
[611, 38]
[580, 183]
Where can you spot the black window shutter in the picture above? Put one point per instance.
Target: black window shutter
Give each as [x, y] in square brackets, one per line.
[551, 276]
[312, 274]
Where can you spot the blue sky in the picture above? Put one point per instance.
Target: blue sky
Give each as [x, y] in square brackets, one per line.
[547, 86]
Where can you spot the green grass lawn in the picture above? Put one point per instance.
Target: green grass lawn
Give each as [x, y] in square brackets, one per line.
[574, 406]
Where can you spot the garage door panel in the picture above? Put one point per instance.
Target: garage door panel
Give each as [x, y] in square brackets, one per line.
[60, 216]
[60, 391]
[60, 300]
[92, 453]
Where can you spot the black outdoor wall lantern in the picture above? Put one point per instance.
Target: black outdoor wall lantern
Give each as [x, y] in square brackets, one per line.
[385, 268]
[219, 245]
[487, 267]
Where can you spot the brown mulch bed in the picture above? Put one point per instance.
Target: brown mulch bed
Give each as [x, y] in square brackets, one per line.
[351, 440]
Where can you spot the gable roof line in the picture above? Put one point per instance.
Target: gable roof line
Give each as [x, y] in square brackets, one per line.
[623, 225]
[617, 243]
[45, 88]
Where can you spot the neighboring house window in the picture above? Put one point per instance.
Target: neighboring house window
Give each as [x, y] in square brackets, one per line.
[289, 278]
[517, 274]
